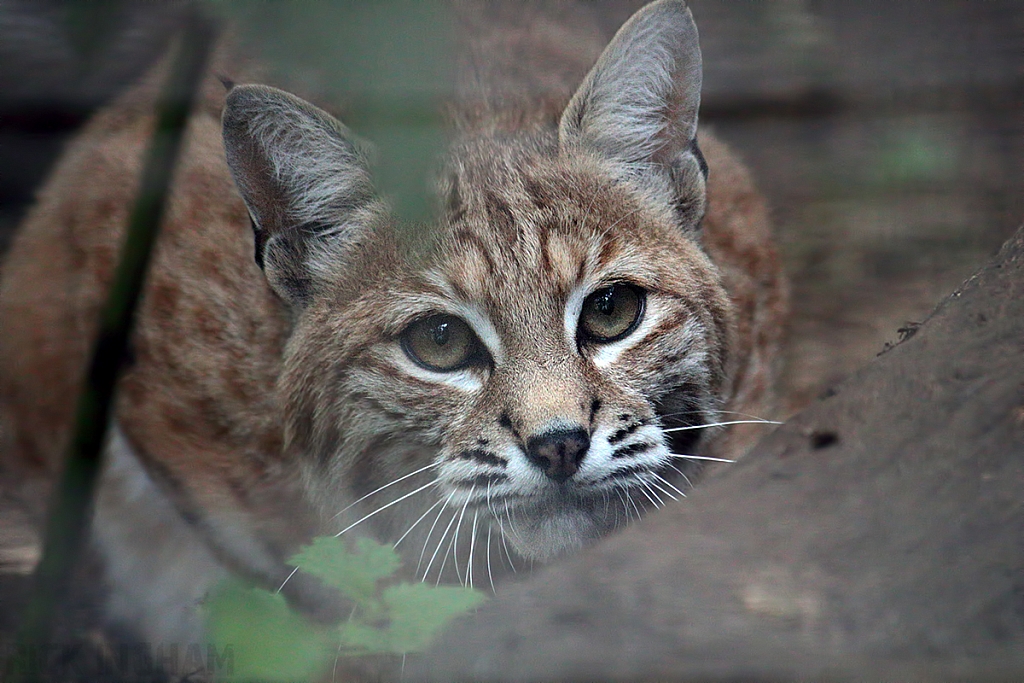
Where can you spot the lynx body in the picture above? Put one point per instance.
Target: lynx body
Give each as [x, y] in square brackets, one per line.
[591, 283]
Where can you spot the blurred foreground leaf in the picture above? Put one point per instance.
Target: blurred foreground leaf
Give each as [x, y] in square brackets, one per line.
[354, 574]
[271, 643]
[417, 611]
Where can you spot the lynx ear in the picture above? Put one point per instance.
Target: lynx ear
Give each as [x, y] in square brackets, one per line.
[304, 180]
[638, 107]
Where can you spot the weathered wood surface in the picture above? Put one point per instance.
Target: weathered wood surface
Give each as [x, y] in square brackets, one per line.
[880, 533]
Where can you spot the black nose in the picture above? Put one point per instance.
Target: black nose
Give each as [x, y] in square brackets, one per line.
[559, 453]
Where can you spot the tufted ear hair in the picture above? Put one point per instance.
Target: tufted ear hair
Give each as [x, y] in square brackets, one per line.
[638, 107]
[304, 180]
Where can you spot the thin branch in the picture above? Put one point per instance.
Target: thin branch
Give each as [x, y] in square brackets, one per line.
[72, 500]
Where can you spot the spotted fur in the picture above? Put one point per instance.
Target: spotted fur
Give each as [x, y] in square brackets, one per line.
[272, 398]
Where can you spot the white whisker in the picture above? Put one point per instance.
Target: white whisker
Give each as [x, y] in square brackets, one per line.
[663, 489]
[381, 488]
[455, 540]
[681, 474]
[472, 546]
[414, 524]
[511, 522]
[444, 556]
[490, 502]
[385, 507]
[449, 550]
[501, 530]
[618, 514]
[721, 424]
[644, 488]
[625, 506]
[698, 457]
[287, 579]
[431, 532]
[747, 416]
[490, 577]
[629, 498]
[337, 657]
[440, 542]
[650, 486]
[672, 486]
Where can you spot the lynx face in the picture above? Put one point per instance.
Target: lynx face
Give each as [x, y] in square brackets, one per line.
[522, 369]
[530, 358]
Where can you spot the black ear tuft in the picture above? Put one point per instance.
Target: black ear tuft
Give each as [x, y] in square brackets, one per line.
[699, 156]
[259, 242]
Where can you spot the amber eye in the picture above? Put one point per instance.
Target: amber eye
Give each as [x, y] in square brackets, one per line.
[441, 343]
[611, 313]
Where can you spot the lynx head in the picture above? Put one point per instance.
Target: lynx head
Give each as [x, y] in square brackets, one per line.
[525, 367]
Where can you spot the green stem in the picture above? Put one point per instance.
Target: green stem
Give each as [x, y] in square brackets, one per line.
[71, 503]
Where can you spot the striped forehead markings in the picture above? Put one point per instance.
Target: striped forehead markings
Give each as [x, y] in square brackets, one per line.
[544, 234]
[471, 239]
[499, 213]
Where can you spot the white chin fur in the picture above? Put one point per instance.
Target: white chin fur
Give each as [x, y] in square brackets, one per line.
[542, 534]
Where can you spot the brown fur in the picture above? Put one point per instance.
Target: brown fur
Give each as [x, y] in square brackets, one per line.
[258, 407]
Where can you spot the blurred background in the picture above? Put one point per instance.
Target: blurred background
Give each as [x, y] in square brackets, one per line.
[888, 137]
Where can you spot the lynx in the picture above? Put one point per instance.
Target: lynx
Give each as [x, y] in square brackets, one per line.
[598, 291]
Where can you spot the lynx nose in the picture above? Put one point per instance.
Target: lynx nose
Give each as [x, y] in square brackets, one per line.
[558, 453]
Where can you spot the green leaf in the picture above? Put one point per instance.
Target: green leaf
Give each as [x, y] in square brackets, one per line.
[354, 574]
[271, 643]
[359, 639]
[417, 611]
[267, 641]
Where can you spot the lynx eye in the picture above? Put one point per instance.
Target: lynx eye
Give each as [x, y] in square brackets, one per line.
[611, 313]
[442, 343]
